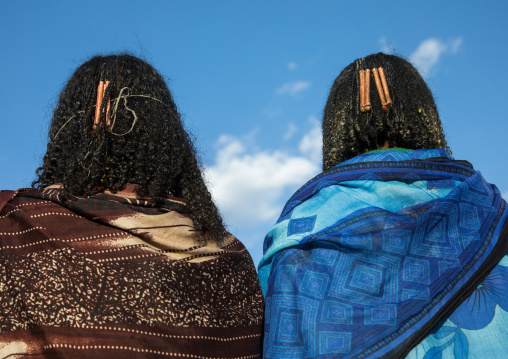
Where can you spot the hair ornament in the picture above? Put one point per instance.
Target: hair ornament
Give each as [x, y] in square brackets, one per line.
[100, 95]
[368, 106]
[112, 114]
[388, 100]
[362, 90]
[101, 90]
[382, 87]
[365, 105]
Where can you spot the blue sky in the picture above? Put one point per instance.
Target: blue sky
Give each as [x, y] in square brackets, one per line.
[251, 80]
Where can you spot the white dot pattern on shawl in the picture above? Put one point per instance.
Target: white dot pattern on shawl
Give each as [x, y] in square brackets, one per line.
[28, 204]
[112, 250]
[169, 336]
[21, 232]
[116, 259]
[139, 350]
[64, 240]
[54, 214]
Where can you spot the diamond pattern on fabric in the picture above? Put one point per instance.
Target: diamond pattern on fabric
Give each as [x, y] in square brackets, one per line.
[437, 232]
[360, 241]
[336, 313]
[469, 217]
[314, 284]
[396, 241]
[288, 327]
[437, 229]
[365, 280]
[325, 256]
[479, 192]
[334, 342]
[294, 333]
[301, 225]
[383, 314]
[416, 270]
[284, 278]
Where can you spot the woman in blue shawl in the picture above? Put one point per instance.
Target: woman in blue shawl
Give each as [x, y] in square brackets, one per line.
[396, 249]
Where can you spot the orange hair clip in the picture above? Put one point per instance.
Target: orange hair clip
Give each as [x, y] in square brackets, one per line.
[101, 90]
[380, 89]
[362, 90]
[368, 106]
[385, 89]
[100, 94]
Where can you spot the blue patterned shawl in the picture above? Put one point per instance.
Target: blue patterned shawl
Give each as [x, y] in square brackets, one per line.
[369, 257]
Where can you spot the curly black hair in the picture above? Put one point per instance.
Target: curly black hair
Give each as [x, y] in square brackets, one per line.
[146, 143]
[412, 121]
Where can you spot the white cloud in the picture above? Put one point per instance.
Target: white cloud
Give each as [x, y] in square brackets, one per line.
[311, 143]
[250, 187]
[427, 55]
[292, 65]
[292, 129]
[293, 88]
[429, 51]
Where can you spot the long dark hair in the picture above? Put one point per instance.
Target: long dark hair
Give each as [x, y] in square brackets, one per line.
[411, 122]
[145, 145]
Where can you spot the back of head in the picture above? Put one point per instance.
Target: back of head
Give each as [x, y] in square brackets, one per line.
[140, 140]
[411, 121]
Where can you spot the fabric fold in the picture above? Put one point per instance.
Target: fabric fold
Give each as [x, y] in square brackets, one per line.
[112, 276]
[372, 278]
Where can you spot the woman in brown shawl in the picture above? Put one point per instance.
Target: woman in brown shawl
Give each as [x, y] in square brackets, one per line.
[119, 250]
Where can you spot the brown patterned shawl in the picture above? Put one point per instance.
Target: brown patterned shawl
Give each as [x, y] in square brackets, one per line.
[110, 276]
